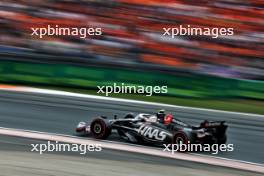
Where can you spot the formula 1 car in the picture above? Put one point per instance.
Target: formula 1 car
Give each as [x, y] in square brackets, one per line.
[147, 128]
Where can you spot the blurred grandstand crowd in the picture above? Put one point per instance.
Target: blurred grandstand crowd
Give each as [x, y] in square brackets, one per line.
[132, 33]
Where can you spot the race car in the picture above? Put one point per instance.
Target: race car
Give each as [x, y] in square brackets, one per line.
[155, 129]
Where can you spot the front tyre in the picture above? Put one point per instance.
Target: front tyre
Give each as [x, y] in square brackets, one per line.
[100, 128]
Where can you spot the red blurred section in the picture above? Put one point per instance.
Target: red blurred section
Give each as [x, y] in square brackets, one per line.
[132, 32]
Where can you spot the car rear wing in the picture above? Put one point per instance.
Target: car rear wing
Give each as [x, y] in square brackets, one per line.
[212, 124]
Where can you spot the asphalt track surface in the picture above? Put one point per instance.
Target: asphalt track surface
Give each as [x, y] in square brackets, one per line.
[59, 114]
[17, 159]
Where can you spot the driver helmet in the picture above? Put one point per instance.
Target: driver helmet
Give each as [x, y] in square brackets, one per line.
[130, 116]
[168, 119]
[161, 115]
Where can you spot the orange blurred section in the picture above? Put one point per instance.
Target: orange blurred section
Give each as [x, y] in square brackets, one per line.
[133, 31]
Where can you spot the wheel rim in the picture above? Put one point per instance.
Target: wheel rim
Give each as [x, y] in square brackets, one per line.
[179, 140]
[97, 128]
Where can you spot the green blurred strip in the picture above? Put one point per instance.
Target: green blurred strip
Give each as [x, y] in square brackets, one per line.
[182, 85]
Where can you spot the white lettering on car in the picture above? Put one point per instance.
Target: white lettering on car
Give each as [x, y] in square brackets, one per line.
[152, 133]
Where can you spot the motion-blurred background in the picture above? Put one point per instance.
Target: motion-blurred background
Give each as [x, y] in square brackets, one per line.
[223, 73]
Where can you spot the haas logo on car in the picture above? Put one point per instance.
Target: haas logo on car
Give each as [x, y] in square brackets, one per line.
[151, 132]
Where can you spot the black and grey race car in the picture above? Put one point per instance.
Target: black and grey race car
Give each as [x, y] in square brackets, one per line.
[151, 129]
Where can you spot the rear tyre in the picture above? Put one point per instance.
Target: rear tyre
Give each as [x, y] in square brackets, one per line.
[100, 128]
[222, 140]
[180, 138]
